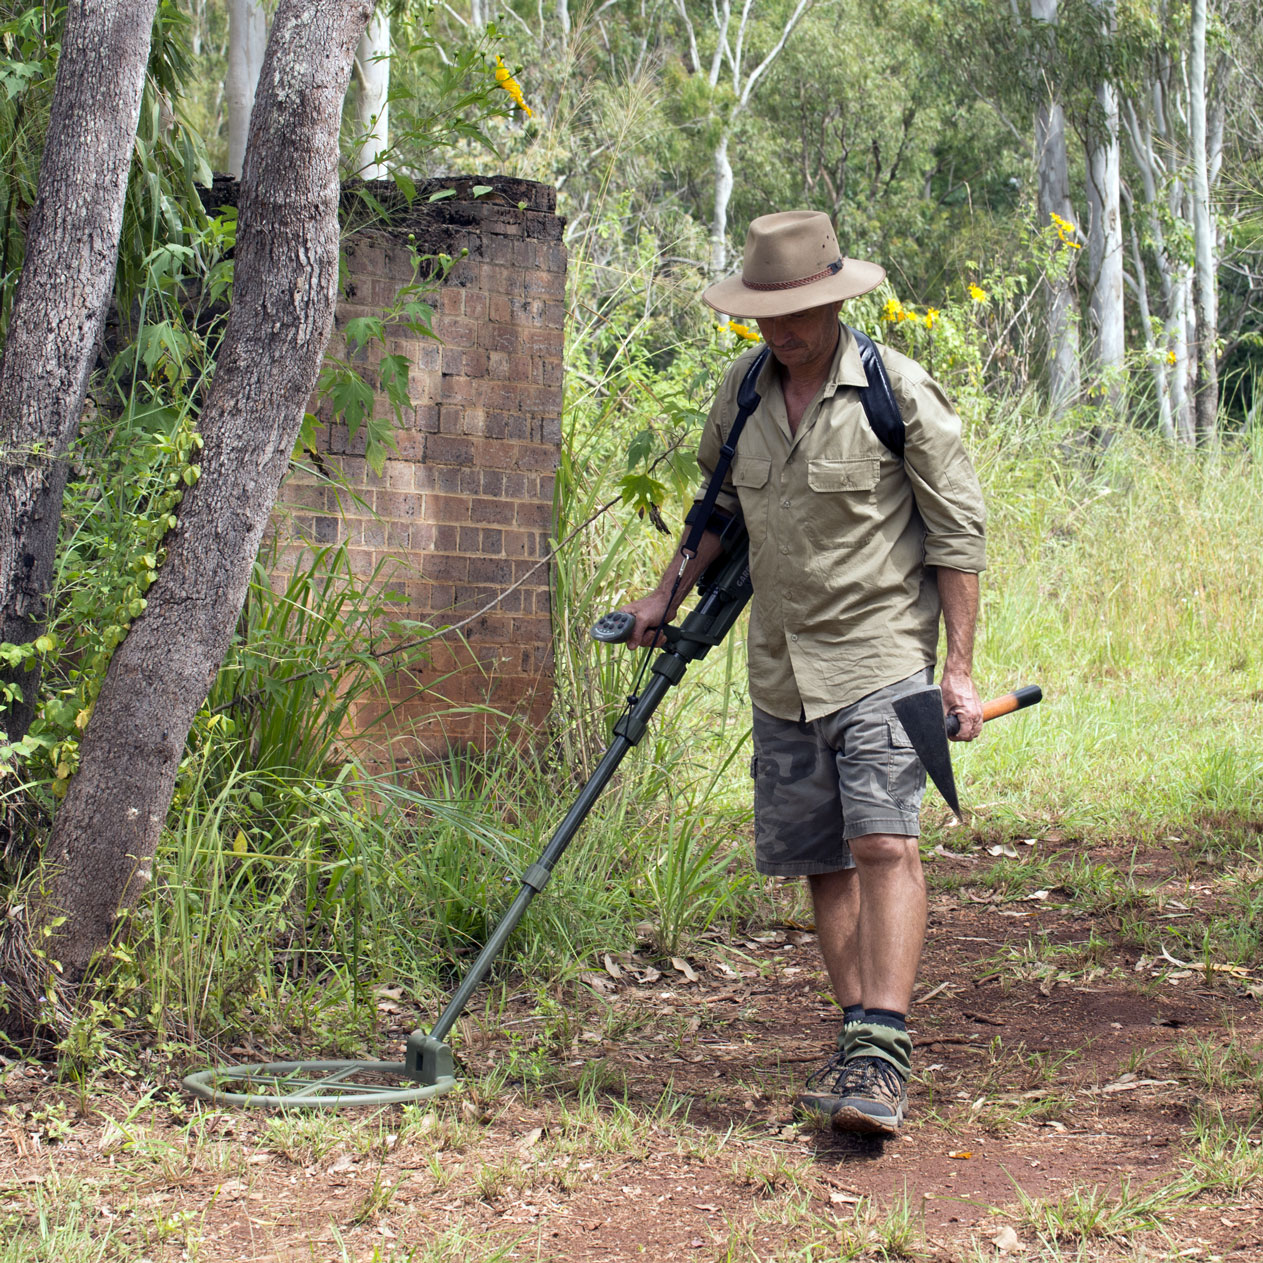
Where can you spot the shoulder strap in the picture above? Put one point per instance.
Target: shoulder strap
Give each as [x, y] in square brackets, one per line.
[747, 401]
[880, 406]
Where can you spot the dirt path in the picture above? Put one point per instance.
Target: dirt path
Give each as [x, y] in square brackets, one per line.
[1076, 1098]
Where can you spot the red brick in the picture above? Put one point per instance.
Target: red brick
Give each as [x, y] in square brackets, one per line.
[444, 567]
[539, 515]
[473, 422]
[454, 509]
[459, 333]
[399, 506]
[492, 512]
[446, 449]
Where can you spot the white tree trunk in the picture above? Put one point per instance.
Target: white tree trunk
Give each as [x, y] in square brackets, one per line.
[372, 108]
[247, 38]
[719, 213]
[1054, 199]
[1105, 245]
[1205, 264]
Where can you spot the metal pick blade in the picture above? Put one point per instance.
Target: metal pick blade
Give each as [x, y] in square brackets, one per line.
[921, 714]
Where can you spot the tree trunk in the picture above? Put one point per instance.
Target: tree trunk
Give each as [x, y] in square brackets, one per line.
[372, 108]
[1105, 249]
[247, 39]
[1205, 269]
[285, 289]
[62, 295]
[719, 214]
[1061, 313]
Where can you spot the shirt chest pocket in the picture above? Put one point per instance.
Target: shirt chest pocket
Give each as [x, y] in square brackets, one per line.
[842, 508]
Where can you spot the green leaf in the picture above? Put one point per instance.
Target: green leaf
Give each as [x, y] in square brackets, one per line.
[442, 195]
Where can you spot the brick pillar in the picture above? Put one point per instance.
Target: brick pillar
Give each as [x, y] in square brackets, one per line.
[462, 510]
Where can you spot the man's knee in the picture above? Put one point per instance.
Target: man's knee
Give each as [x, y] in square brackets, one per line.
[886, 850]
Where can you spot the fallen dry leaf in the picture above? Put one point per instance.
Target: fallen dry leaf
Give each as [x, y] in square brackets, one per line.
[961, 1154]
[678, 962]
[1006, 1241]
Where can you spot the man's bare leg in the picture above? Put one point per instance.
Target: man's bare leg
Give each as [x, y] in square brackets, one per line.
[892, 918]
[835, 897]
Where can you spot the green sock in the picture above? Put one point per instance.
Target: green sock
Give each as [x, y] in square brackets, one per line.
[852, 1017]
[871, 1039]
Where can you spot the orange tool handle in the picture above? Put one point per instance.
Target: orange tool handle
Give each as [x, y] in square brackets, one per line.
[1019, 699]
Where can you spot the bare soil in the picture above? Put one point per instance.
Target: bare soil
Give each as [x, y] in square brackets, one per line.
[1035, 1081]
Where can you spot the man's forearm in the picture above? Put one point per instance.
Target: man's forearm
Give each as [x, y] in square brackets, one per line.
[958, 593]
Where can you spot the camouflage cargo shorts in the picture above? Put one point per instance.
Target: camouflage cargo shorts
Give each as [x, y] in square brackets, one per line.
[818, 784]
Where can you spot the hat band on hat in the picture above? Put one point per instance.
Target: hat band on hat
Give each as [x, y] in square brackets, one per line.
[832, 270]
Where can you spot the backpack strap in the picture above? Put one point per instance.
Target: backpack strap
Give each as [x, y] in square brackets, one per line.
[880, 406]
[700, 514]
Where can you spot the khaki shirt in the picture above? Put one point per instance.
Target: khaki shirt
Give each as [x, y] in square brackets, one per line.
[843, 534]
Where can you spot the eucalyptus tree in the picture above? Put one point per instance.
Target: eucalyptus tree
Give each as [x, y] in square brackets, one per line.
[285, 290]
[1205, 267]
[1055, 207]
[58, 311]
[1107, 342]
[247, 39]
[726, 48]
[371, 115]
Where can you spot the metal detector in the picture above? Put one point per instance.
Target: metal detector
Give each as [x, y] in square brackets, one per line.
[428, 1068]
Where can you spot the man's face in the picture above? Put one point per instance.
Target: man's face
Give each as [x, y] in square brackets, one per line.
[804, 337]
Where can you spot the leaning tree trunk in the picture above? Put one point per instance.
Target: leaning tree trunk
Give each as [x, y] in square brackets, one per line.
[247, 39]
[1205, 271]
[286, 272]
[59, 308]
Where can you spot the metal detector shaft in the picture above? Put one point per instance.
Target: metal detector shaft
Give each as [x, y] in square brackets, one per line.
[724, 589]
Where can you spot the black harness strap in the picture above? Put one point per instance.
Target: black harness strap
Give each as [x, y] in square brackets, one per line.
[747, 400]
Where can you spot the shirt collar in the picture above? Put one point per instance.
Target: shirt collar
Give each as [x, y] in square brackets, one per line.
[847, 368]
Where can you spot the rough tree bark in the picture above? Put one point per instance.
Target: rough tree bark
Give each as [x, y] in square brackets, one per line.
[59, 307]
[1105, 244]
[372, 102]
[1054, 199]
[1205, 271]
[247, 38]
[285, 289]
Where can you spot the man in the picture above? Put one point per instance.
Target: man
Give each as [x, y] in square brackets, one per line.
[854, 551]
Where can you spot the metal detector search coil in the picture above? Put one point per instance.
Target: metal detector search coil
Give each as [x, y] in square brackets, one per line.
[429, 1068]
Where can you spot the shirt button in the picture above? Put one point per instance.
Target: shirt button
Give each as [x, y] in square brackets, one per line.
[785, 550]
[794, 636]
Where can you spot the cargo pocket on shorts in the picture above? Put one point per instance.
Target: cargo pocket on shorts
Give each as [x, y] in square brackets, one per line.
[905, 778]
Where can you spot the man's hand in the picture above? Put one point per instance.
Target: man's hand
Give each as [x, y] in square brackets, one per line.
[960, 697]
[650, 613]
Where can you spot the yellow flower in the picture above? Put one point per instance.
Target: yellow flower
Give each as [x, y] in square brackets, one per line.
[505, 80]
[1170, 357]
[931, 317]
[742, 331]
[1065, 231]
[977, 293]
[892, 311]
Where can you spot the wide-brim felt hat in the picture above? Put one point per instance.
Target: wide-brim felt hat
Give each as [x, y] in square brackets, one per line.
[792, 262]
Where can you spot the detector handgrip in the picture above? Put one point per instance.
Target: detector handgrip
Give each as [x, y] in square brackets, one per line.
[614, 628]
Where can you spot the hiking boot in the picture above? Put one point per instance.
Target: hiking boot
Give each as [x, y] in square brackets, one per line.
[874, 1097]
[825, 1089]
